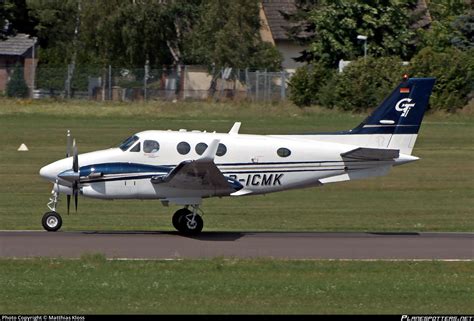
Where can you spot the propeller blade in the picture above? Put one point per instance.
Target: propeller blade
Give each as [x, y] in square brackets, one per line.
[75, 191]
[75, 160]
[75, 201]
[68, 144]
[68, 198]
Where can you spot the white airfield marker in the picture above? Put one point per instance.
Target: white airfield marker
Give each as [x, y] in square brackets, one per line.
[22, 148]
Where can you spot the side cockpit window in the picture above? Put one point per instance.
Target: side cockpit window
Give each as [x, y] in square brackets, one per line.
[135, 148]
[128, 142]
[151, 146]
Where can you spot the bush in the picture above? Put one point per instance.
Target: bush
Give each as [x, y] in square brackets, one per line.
[305, 84]
[363, 84]
[50, 77]
[454, 73]
[17, 87]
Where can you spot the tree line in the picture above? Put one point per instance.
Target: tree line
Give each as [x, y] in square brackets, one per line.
[132, 33]
[222, 33]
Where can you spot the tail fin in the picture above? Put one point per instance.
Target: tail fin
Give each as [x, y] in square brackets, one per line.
[400, 114]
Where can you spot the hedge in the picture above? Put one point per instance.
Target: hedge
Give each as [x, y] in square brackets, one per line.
[365, 83]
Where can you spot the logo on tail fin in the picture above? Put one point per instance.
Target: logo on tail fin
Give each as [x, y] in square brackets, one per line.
[404, 105]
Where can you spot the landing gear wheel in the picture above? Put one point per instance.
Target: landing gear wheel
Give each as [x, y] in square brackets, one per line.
[52, 221]
[189, 226]
[177, 215]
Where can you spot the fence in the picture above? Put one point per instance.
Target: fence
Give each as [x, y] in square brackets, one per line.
[144, 84]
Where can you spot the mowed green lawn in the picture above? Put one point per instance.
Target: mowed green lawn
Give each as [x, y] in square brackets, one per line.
[433, 194]
[93, 285]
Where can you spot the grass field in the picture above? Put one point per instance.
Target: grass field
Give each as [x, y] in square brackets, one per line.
[433, 194]
[93, 285]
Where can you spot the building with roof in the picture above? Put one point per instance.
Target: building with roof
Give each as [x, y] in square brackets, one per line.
[18, 49]
[274, 30]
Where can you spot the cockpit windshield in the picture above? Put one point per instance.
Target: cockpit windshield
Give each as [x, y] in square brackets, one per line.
[128, 142]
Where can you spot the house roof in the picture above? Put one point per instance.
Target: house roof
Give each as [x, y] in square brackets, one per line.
[276, 21]
[16, 46]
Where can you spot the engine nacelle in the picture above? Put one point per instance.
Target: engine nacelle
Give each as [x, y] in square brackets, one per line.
[61, 189]
[94, 192]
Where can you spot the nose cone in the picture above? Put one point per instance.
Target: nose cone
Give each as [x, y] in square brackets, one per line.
[50, 172]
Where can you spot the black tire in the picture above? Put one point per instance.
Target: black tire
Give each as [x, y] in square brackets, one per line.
[188, 229]
[177, 215]
[52, 221]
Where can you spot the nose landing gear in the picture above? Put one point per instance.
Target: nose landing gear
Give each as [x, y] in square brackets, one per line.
[52, 221]
[188, 222]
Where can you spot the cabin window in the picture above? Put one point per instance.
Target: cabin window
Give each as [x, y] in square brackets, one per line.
[135, 148]
[283, 152]
[150, 146]
[128, 142]
[200, 148]
[221, 150]
[183, 148]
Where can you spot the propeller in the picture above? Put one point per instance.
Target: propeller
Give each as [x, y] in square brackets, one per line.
[68, 144]
[72, 175]
[75, 168]
[68, 154]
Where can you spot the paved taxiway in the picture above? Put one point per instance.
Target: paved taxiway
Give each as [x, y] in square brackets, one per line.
[168, 245]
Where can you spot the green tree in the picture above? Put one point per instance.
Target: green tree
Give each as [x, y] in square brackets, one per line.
[464, 27]
[132, 33]
[363, 84]
[20, 17]
[17, 87]
[386, 23]
[330, 28]
[15, 16]
[452, 25]
[454, 73]
[55, 29]
[306, 83]
[227, 35]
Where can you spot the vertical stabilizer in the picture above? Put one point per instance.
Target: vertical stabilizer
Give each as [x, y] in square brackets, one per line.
[400, 114]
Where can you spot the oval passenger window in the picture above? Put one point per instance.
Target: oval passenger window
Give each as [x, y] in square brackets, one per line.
[283, 152]
[183, 148]
[221, 150]
[200, 148]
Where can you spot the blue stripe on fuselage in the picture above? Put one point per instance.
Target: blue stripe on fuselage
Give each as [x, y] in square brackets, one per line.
[122, 168]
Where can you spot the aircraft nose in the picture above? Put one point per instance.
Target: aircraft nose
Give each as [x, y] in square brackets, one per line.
[51, 171]
[48, 172]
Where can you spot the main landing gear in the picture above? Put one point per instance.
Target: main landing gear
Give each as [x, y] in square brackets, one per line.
[188, 222]
[52, 220]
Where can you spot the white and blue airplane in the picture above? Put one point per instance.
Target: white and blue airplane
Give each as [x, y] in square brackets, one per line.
[184, 167]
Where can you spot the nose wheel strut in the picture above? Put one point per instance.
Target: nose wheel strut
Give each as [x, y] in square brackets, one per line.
[52, 221]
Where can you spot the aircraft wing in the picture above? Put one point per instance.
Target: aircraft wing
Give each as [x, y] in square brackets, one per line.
[199, 174]
[378, 154]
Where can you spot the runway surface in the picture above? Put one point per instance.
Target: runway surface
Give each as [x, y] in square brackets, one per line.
[168, 245]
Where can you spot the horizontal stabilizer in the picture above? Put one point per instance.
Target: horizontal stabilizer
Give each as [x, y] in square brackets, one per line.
[378, 154]
[358, 174]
